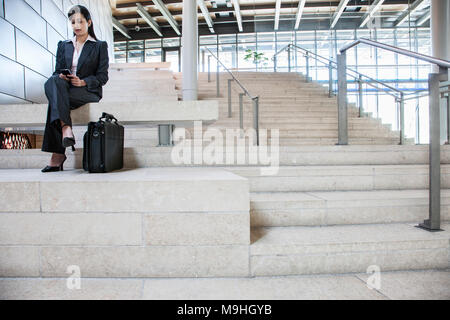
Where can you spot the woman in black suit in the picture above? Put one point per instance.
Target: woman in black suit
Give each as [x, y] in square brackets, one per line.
[87, 59]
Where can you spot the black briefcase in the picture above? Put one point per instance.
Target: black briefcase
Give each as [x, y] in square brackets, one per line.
[103, 145]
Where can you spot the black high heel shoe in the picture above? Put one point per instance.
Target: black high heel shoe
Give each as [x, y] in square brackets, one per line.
[57, 168]
[68, 141]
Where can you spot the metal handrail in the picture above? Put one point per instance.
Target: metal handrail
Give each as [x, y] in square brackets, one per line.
[334, 66]
[232, 75]
[255, 99]
[412, 54]
[435, 81]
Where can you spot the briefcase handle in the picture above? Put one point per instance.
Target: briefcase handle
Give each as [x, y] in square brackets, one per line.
[108, 117]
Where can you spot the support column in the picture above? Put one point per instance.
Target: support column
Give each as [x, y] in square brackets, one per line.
[189, 42]
[440, 43]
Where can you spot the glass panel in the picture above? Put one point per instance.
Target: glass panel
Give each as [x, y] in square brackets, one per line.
[228, 55]
[305, 35]
[173, 58]
[171, 42]
[154, 43]
[208, 40]
[153, 55]
[120, 46]
[268, 50]
[135, 45]
[135, 56]
[227, 38]
[288, 37]
[266, 36]
[120, 57]
[248, 64]
[250, 37]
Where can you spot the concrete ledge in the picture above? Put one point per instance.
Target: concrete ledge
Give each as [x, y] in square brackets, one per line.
[152, 112]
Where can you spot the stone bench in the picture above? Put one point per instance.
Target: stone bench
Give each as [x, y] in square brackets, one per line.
[164, 114]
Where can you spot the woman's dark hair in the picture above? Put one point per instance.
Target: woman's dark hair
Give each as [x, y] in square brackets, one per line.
[86, 14]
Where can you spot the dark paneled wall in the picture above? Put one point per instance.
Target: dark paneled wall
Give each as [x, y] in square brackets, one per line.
[29, 33]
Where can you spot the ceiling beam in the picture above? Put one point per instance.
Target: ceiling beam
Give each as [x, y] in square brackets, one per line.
[237, 13]
[166, 13]
[298, 17]
[277, 14]
[371, 12]
[340, 9]
[205, 13]
[120, 27]
[148, 18]
[408, 12]
[423, 19]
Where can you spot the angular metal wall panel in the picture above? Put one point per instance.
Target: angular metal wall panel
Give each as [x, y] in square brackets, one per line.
[6, 99]
[59, 4]
[53, 38]
[35, 4]
[32, 55]
[8, 46]
[20, 14]
[67, 4]
[54, 16]
[12, 81]
[34, 87]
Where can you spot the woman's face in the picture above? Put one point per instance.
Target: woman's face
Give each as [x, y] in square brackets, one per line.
[79, 24]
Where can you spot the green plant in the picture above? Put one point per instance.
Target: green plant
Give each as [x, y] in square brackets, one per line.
[255, 57]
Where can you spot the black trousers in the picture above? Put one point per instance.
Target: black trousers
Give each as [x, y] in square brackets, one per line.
[62, 98]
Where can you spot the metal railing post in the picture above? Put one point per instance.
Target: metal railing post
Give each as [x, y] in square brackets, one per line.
[402, 119]
[342, 99]
[241, 110]
[434, 221]
[448, 117]
[307, 67]
[209, 68]
[229, 98]
[275, 64]
[360, 100]
[330, 80]
[218, 80]
[203, 60]
[256, 118]
[289, 58]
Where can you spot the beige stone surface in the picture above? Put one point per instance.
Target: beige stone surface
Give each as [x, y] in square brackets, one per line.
[139, 190]
[19, 196]
[155, 261]
[57, 289]
[20, 261]
[70, 229]
[197, 229]
[419, 285]
[270, 288]
[143, 111]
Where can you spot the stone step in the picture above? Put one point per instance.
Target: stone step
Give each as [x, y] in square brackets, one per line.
[156, 222]
[342, 178]
[346, 249]
[286, 209]
[288, 156]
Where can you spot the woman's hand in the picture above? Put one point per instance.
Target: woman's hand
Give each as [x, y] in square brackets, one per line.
[76, 82]
[62, 76]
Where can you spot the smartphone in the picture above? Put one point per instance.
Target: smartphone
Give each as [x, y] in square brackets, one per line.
[66, 72]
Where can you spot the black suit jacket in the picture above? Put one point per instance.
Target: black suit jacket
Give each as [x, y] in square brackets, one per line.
[92, 65]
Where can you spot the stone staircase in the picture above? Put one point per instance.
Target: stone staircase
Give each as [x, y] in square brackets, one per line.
[328, 209]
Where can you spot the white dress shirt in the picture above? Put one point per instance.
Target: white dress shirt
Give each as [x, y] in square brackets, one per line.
[76, 54]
